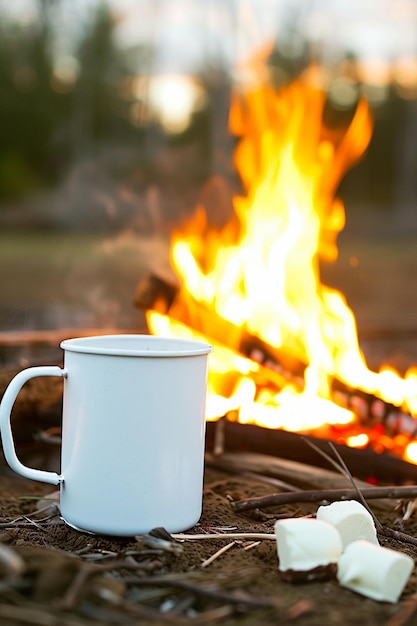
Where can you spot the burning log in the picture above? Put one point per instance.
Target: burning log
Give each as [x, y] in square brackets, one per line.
[363, 464]
[155, 293]
[278, 367]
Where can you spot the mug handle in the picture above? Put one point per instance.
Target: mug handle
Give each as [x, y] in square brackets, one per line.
[6, 406]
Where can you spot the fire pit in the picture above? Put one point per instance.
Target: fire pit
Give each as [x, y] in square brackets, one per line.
[286, 351]
[286, 363]
[228, 572]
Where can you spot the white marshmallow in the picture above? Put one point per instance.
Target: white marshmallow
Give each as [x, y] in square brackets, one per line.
[373, 571]
[304, 544]
[352, 520]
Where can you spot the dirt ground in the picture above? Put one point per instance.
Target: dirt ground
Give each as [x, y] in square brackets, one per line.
[63, 577]
[66, 577]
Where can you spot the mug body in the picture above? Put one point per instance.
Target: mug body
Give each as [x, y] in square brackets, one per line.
[133, 433]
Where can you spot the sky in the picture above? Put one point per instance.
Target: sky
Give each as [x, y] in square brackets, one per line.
[372, 28]
[188, 29]
[188, 32]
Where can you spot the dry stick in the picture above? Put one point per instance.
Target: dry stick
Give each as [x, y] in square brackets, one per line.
[35, 616]
[210, 592]
[398, 535]
[140, 611]
[382, 530]
[86, 570]
[91, 569]
[316, 495]
[356, 493]
[40, 524]
[404, 615]
[246, 536]
[28, 518]
[299, 609]
[343, 468]
[214, 556]
[251, 545]
[212, 615]
[144, 612]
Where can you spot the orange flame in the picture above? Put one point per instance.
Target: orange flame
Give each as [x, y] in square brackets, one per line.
[260, 272]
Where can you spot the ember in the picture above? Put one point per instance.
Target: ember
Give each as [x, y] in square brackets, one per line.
[256, 281]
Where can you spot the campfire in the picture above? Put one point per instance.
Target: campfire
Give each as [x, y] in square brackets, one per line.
[286, 351]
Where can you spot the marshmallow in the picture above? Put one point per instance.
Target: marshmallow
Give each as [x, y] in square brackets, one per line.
[352, 520]
[373, 571]
[308, 549]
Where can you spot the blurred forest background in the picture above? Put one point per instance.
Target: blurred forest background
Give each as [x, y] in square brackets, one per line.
[75, 101]
[103, 149]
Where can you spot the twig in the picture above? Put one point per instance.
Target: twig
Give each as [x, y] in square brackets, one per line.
[156, 542]
[404, 615]
[248, 536]
[143, 615]
[251, 545]
[28, 517]
[398, 535]
[316, 495]
[340, 468]
[299, 609]
[33, 523]
[210, 592]
[343, 468]
[34, 616]
[28, 522]
[143, 612]
[216, 555]
[280, 498]
[91, 569]
[213, 615]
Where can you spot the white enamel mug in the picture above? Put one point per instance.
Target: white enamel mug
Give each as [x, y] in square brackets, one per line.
[133, 432]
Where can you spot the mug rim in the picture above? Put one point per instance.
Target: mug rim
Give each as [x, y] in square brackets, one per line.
[146, 345]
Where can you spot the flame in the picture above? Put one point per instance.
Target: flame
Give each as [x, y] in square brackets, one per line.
[259, 274]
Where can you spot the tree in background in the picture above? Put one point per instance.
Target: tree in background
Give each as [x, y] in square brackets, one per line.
[30, 110]
[48, 122]
[100, 113]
